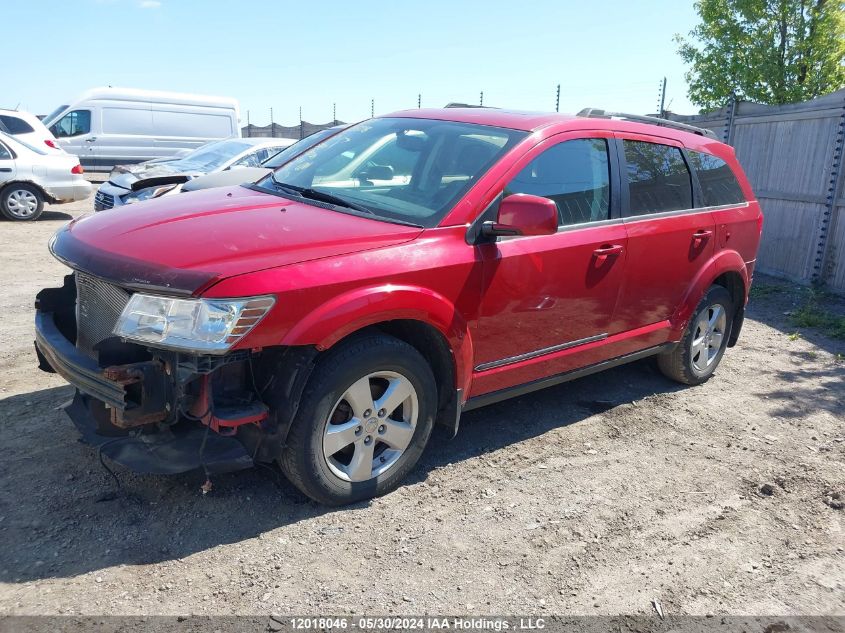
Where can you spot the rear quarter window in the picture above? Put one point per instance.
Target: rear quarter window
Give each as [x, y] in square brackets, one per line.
[719, 186]
[14, 125]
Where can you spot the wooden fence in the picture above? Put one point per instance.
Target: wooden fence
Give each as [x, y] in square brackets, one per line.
[792, 155]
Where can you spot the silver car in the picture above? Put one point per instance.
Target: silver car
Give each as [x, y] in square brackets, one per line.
[152, 179]
[29, 176]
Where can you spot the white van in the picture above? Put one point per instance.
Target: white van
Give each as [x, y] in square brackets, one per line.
[114, 126]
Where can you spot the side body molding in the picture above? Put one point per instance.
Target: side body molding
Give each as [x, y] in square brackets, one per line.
[351, 311]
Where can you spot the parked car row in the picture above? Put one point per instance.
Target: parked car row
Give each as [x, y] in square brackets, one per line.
[108, 128]
[152, 179]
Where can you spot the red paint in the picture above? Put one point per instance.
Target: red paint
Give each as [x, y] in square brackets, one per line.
[636, 281]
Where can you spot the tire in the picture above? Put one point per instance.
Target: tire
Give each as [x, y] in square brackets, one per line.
[21, 202]
[333, 414]
[695, 358]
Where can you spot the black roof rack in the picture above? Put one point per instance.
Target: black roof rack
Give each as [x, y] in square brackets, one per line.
[597, 113]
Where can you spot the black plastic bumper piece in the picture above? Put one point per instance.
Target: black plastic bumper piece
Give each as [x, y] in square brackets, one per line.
[166, 452]
[79, 370]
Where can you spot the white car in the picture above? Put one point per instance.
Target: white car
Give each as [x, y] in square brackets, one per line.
[29, 176]
[128, 184]
[29, 129]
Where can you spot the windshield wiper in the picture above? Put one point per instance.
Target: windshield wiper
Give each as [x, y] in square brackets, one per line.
[323, 196]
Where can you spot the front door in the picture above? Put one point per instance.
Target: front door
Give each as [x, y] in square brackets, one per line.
[670, 238]
[546, 294]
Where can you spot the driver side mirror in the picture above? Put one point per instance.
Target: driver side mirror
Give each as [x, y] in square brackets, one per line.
[523, 214]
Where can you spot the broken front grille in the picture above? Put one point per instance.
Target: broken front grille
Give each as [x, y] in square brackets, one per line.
[98, 306]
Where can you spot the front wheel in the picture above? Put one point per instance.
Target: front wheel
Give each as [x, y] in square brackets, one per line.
[363, 421]
[696, 357]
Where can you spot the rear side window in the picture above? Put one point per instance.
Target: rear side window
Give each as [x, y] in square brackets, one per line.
[575, 175]
[658, 178]
[5, 154]
[14, 125]
[718, 183]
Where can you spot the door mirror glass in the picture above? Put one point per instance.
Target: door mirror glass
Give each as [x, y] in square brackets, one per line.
[523, 214]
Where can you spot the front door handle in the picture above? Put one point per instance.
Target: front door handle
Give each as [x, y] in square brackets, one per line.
[608, 249]
[4, 169]
[91, 139]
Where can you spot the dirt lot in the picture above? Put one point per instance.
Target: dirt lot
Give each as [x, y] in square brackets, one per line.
[595, 497]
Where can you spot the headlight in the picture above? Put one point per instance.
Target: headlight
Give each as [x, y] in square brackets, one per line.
[206, 326]
[146, 194]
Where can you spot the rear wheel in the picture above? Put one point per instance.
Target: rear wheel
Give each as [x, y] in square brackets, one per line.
[22, 202]
[363, 422]
[696, 357]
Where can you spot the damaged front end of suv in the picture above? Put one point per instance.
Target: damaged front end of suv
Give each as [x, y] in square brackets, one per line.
[159, 388]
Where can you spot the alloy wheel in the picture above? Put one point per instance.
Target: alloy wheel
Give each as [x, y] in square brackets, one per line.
[708, 337]
[370, 426]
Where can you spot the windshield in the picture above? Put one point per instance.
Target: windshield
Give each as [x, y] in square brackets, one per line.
[297, 148]
[407, 170]
[47, 120]
[210, 156]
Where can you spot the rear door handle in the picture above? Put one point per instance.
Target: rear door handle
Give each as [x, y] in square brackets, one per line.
[5, 169]
[702, 234]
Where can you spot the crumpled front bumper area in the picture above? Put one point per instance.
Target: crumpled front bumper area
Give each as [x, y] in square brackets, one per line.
[166, 452]
[115, 394]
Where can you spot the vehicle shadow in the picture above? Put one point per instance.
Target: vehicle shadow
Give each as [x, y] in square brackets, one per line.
[46, 216]
[61, 514]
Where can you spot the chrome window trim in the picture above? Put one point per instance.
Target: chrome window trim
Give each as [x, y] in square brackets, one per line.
[563, 228]
[540, 352]
[669, 214]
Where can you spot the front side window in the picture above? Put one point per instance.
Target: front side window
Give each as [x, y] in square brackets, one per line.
[718, 183]
[72, 124]
[575, 175]
[298, 148]
[658, 178]
[407, 170]
[14, 125]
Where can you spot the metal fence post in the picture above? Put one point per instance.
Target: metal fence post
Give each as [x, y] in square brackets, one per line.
[727, 137]
[824, 257]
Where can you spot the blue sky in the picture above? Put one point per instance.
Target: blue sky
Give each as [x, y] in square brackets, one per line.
[287, 55]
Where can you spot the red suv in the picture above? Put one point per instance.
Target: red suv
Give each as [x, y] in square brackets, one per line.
[411, 267]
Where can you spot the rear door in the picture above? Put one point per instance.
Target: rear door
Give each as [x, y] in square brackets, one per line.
[669, 239]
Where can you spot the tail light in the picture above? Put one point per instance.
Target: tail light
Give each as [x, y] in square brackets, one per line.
[51, 143]
[77, 170]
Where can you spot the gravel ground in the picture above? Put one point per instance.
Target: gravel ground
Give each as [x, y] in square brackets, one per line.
[595, 497]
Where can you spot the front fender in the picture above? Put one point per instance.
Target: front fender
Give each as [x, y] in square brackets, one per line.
[349, 312]
[722, 262]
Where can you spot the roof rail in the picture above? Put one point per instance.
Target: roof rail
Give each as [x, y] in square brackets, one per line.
[597, 113]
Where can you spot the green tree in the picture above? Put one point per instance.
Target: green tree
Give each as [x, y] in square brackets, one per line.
[768, 51]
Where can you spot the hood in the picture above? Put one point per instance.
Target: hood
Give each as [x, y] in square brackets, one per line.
[126, 176]
[227, 178]
[183, 244]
